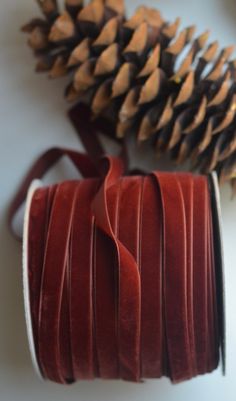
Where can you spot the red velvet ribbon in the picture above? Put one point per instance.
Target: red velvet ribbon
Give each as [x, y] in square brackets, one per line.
[121, 272]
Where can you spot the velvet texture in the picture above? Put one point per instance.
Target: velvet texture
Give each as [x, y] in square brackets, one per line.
[122, 274]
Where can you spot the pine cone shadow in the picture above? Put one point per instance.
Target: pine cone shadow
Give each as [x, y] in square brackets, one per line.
[230, 7]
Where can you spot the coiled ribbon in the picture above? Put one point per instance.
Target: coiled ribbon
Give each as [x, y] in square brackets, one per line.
[122, 273]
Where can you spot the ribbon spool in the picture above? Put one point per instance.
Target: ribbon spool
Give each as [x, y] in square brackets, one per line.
[123, 275]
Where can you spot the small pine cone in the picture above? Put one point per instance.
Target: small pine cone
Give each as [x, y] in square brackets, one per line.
[174, 89]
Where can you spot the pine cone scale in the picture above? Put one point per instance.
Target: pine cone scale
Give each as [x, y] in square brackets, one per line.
[137, 67]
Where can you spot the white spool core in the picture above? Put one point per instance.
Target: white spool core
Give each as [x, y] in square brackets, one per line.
[33, 187]
[219, 224]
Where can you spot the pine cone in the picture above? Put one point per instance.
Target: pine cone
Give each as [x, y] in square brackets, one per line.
[176, 91]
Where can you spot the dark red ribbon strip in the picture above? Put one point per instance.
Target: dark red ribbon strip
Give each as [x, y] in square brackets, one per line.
[122, 274]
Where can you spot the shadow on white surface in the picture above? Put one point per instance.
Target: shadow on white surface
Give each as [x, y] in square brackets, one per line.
[229, 7]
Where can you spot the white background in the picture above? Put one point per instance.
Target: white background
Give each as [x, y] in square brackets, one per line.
[32, 118]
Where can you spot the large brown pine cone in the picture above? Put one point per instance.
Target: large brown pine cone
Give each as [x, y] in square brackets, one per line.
[176, 91]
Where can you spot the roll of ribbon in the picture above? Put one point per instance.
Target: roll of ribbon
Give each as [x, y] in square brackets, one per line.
[122, 274]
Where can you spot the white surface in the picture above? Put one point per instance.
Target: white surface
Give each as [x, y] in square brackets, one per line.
[32, 119]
